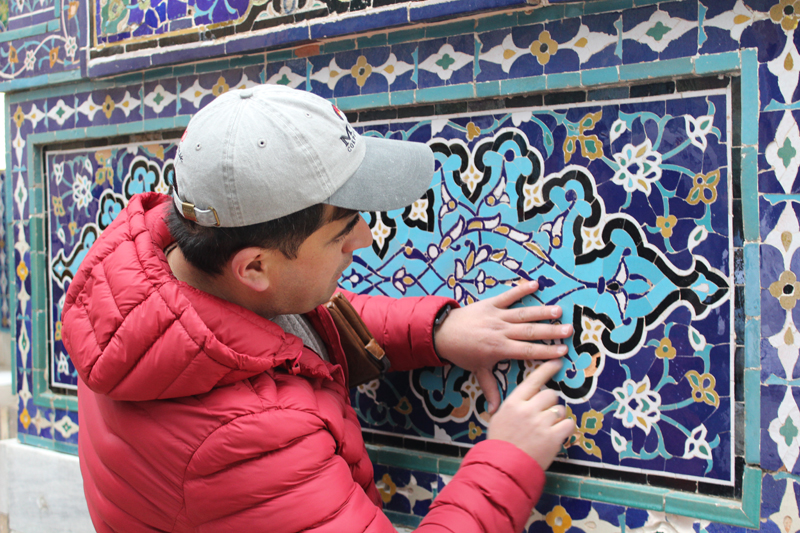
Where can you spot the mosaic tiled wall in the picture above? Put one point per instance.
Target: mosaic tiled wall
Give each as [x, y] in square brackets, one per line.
[583, 199]
[639, 158]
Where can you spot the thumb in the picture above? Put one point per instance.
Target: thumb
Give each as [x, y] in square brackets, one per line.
[488, 384]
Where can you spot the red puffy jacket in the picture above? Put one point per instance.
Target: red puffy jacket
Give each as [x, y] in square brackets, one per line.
[199, 415]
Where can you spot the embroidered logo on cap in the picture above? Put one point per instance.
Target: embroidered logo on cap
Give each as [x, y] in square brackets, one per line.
[349, 139]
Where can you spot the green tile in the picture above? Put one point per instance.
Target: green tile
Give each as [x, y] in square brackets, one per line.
[36, 201]
[53, 25]
[443, 94]
[752, 415]
[420, 461]
[128, 79]
[182, 121]
[599, 76]
[749, 97]
[752, 280]
[639, 496]
[751, 495]
[158, 74]
[522, 85]
[750, 192]
[102, 131]
[591, 8]
[497, 22]
[212, 66]
[130, 127]
[564, 80]
[381, 39]
[640, 3]
[448, 30]
[449, 466]
[563, 485]
[247, 61]
[656, 69]
[331, 48]
[403, 519]
[365, 101]
[487, 89]
[65, 447]
[285, 55]
[717, 63]
[573, 10]
[404, 36]
[717, 509]
[184, 70]
[752, 343]
[36, 238]
[33, 440]
[156, 124]
[541, 15]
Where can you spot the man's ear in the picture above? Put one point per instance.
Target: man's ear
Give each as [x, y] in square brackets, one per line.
[250, 267]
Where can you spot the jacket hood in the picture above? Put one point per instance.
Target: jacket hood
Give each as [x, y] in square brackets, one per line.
[135, 332]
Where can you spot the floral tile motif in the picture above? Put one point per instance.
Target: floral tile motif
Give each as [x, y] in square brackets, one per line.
[87, 190]
[405, 491]
[47, 53]
[536, 194]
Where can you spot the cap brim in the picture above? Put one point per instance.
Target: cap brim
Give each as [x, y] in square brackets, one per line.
[393, 174]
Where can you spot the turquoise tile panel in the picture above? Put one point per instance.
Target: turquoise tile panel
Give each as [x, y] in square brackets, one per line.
[380, 39]
[543, 14]
[590, 8]
[726, 62]
[404, 36]
[600, 76]
[449, 30]
[749, 97]
[656, 69]
[563, 81]
[523, 85]
[752, 416]
[506, 20]
[752, 274]
[365, 101]
[443, 94]
[563, 485]
[750, 192]
[487, 89]
[643, 497]
[752, 343]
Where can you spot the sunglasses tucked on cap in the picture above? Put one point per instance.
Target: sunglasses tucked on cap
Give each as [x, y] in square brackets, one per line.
[258, 154]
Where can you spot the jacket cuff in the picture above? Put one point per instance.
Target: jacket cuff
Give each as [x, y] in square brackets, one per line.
[427, 348]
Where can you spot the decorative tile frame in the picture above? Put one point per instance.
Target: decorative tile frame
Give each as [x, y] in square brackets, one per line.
[718, 50]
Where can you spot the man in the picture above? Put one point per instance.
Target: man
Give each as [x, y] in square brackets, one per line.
[213, 394]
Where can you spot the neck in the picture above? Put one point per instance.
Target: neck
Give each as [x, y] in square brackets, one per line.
[217, 285]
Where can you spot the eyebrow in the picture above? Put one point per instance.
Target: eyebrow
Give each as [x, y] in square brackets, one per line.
[348, 228]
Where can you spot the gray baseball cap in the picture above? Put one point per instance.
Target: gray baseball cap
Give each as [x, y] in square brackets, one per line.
[254, 155]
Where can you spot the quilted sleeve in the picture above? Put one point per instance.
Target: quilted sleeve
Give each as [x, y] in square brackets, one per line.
[404, 327]
[279, 484]
[494, 491]
[276, 471]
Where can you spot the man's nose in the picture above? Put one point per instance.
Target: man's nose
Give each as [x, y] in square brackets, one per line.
[362, 235]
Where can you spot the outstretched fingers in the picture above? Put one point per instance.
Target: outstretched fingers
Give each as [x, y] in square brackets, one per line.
[530, 386]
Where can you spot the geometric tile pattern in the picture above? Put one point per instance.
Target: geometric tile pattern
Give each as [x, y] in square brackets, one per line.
[560, 56]
[88, 189]
[629, 235]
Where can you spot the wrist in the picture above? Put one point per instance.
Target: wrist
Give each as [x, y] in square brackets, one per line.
[437, 323]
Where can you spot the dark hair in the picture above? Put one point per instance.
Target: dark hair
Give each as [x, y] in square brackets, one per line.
[209, 249]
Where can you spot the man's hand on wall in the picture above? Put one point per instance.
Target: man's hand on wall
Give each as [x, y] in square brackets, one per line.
[532, 420]
[478, 336]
